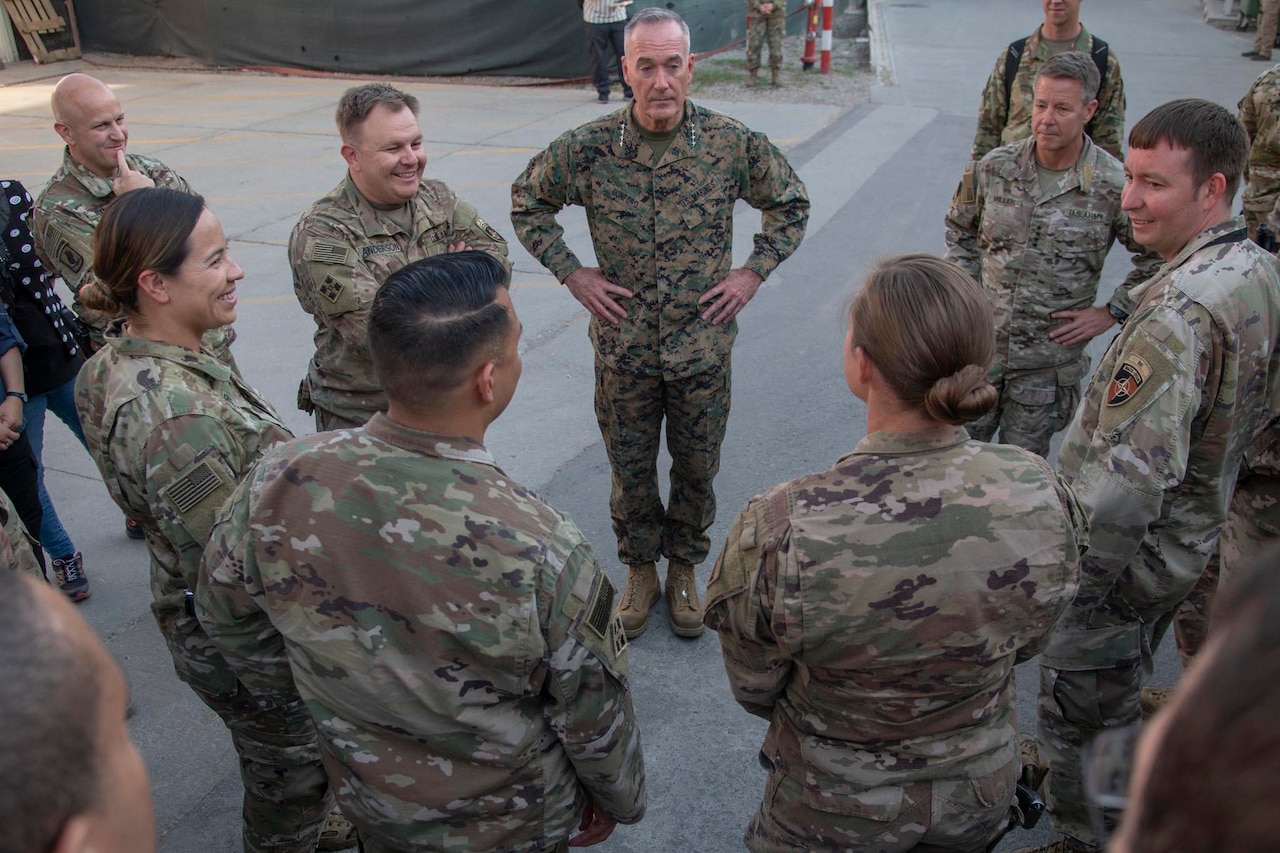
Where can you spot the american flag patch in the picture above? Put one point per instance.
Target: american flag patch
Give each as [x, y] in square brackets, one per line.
[329, 253]
[196, 485]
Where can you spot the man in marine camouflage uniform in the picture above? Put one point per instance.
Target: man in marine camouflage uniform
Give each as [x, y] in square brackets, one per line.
[451, 634]
[382, 215]
[1005, 114]
[768, 22]
[1154, 450]
[1033, 222]
[658, 181]
[96, 168]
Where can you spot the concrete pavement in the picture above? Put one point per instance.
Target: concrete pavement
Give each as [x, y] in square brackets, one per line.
[881, 175]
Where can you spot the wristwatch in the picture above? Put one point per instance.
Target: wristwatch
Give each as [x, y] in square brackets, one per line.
[18, 394]
[1118, 314]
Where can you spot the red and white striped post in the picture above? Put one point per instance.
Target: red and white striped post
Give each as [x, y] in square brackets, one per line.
[827, 13]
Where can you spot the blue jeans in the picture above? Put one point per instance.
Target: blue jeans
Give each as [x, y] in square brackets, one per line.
[60, 401]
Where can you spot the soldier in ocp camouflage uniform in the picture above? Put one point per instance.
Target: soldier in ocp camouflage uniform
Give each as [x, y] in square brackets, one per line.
[658, 181]
[874, 613]
[768, 22]
[173, 429]
[1007, 118]
[451, 634]
[1154, 449]
[1260, 115]
[89, 118]
[1033, 223]
[16, 550]
[382, 215]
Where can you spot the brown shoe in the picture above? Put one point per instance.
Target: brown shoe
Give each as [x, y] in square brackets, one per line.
[638, 599]
[1152, 699]
[684, 608]
[777, 78]
[751, 77]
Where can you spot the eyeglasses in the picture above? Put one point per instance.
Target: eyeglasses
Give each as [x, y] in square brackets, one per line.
[1108, 764]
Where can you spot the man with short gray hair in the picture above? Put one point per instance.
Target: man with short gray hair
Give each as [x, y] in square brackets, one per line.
[382, 216]
[1033, 222]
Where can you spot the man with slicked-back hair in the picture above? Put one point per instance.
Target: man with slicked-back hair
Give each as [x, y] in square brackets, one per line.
[451, 634]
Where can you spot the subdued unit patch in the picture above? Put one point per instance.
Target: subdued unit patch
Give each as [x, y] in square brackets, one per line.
[194, 486]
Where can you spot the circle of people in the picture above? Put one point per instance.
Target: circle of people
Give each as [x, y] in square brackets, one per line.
[414, 652]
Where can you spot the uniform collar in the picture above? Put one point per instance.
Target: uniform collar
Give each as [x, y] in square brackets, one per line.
[197, 360]
[885, 443]
[99, 187]
[1079, 174]
[1194, 245]
[456, 447]
[1084, 43]
[376, 224]
[626, 139]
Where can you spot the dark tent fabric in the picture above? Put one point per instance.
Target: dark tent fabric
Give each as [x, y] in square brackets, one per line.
[542, 38]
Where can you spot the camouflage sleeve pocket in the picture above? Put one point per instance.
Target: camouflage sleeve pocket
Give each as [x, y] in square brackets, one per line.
[197, 490]
[598, 627]
[332, 271]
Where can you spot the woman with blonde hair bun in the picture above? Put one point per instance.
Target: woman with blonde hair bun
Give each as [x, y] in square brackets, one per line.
[873, 613]
[173, 430]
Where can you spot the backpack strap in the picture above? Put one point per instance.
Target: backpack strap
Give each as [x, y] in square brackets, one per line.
[1100, 51]
[1012, 57]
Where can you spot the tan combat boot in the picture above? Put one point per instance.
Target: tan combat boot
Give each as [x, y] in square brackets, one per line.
[638, 598]
[337, 833]
[751, 77]
[1152, 699]
[777, 77]
[685, 610]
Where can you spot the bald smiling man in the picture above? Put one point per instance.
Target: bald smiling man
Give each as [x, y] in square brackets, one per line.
[96, 167]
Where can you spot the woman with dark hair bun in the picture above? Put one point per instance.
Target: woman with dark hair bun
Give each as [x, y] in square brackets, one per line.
[173, 430]
[873, 613]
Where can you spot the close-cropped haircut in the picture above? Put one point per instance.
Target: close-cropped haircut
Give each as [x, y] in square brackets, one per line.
[147, 229]
[357, 102]
[656, 15]
[1215, 139]
[434, 321]
[1073, 65]
[49, 700]
[926, 326]
[1212, 782]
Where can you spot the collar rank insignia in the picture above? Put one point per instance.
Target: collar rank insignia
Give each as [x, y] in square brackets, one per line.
[1130, 376]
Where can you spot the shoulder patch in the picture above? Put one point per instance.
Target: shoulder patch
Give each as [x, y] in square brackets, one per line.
[968, 192]
[329, 253]
[1130, 376]
[68, 256]
[334, 287]
[601, 623]
[490, 230]
[199, 481]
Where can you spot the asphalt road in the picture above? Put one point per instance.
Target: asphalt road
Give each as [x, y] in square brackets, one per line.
[880, 176]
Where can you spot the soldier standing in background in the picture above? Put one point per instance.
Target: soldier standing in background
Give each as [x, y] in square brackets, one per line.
[1033, 222]
[96, 169]
[659, 181]
[768, 22]
[452, 635]
[874, 613]
[1005, 115]
[1155, 447]
[1266, 38]
[1260, 115]
[382, 215]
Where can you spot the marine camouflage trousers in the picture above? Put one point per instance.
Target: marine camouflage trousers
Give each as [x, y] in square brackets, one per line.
[630, 410]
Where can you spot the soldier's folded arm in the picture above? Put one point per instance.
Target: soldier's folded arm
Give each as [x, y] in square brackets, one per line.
[471, 228]
[963, 221]
[228, 593]
[542, 190]
[328, 276]
[740, 606]
[590, 708]
[777, 192]
[1140, 447]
